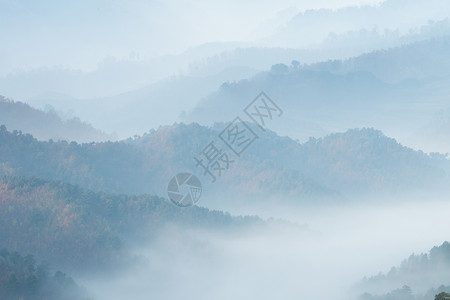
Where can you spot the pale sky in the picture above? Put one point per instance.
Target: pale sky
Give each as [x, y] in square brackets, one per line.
[79, 34]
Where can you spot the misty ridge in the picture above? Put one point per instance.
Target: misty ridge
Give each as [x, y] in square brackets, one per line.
[383, 81]
[368, 90]
[343, 192]
[358, 161]
[47, 125]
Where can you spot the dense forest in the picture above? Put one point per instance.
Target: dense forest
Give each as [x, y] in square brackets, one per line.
[358, 160]
[78, 229]
[406, 293]
[22, 278]
[416, 274]
[225, 150]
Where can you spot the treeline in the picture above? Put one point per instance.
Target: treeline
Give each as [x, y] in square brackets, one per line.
[437, 261]
[141, 165]
[406, 293]
[362, 160]
[75, 228]
[108, 166]
[421, 272]
[21, 277]
[365, 159]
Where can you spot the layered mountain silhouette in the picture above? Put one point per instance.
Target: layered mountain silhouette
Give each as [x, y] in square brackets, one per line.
[46, 125]
[357, 161]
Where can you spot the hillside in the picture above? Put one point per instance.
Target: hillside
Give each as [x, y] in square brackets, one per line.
[421, 275]
[419, 60]
[129, 167]
[367, 159]
[406, 293]
[356, 160]
[46, 125]
[22, 278]
[397, 90]
[362, 161]
[81, 230]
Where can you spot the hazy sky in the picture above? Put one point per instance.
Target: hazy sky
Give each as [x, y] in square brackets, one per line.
[79, 34]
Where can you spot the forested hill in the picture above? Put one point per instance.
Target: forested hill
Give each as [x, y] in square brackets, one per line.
[21, 277]
[367, 159]
[418, 60]
[46, 125]
[385, 89]
[419, 277]
[134, 167]
[75, 228]
[355, 160]
[358, 160]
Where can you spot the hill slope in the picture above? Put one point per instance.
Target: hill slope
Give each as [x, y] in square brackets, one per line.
[22, 278]
[78, 229]
[424, 274]
[358, 160]
[398, 90]
[46, 125]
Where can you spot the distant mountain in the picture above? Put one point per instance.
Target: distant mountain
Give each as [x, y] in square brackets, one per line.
[110, 77]
[403, 17]
[167, 87]
[416, 70]
[46, 125]
[223, 81]
[398, 91]
[433, 136]
[358, 41]
[277, 168]
[137, 111]
[421, 60]
[424, 274]
[304, 95]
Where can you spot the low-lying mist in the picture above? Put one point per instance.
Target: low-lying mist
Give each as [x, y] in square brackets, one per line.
[328, 257]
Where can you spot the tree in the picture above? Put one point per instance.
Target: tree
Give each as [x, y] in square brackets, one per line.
[279, 69]
[442, 296]
[295, 64]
